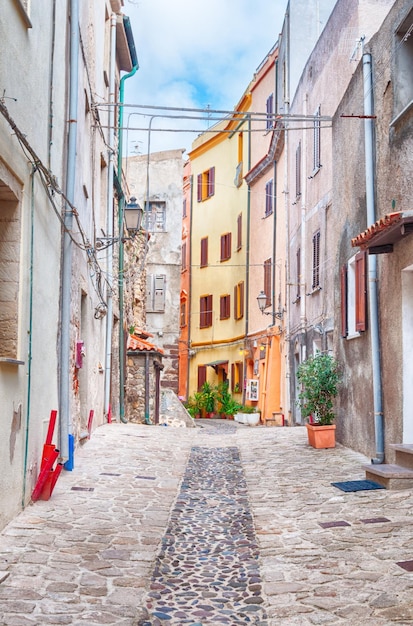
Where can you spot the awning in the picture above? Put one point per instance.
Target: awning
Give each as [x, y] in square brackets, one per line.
[216, 364]
[383, 234]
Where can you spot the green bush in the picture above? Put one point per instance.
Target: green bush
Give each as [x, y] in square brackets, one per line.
[319, 376]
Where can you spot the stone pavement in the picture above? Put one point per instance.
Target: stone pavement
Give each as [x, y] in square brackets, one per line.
[221, 524]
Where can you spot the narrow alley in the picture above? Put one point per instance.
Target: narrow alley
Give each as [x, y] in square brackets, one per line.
[220, 524]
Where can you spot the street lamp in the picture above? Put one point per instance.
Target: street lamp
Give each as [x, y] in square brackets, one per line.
[262, 303]
[132, 213]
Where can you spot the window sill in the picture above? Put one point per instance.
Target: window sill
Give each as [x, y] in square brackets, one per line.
[353, 336]
[398, 117]
[24, 13]
[8, 361]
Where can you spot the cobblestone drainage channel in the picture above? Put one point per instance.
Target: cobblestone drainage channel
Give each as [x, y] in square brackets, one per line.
[207, 571]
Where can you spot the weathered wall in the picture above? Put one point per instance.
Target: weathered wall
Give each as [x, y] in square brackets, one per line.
[394, 161]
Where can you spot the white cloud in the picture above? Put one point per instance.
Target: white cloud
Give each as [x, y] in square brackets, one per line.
[195, 54]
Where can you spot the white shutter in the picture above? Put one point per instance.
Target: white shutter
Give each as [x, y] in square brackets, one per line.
[159, 292]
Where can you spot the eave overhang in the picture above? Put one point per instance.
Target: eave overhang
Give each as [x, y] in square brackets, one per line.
[381, 236]
[273, 154]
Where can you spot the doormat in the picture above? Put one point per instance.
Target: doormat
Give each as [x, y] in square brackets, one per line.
[358, 485]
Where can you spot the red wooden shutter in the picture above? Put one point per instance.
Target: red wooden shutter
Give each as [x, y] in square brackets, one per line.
[343, 280]
[199, 187]
[232, 377]
[361, 291]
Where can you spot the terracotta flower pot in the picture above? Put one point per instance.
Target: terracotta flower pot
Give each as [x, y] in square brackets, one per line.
[321, 436]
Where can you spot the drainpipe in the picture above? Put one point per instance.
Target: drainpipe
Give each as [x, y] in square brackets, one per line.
[373, 293]
[147, 381]
[135, 64]
[247, 255]
[30, 346]
[191, 208]
[109, 211]
[65, 357]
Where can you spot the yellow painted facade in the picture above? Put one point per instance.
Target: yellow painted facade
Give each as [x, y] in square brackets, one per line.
[218, 264]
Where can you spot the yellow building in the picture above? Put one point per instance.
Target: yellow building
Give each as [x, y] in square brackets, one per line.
[219, 159]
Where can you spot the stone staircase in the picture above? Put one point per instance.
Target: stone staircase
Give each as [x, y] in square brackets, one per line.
[394, 476]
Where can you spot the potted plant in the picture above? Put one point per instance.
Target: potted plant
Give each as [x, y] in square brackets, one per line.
[248, 414]
[227, 405]
[319, 376]
[194, 405]
[208, 399]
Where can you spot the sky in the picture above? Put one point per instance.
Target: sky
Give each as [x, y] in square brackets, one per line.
[192, 54]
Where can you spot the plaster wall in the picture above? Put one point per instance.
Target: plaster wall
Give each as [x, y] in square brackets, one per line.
[393, 149]
[163, 171]
[28, 388]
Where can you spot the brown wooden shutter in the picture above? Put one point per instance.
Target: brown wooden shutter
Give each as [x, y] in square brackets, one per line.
[232, 377]
[199, 187]
[344, 295]
[361, 291]
[201, 376]
[241, 299]
[204, 252]
[202, 307]
[211, 182]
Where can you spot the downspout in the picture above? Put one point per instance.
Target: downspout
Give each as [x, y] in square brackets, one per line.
[109, 212]
[247, 253]
[30, 338]
[191, 185]
[135, 67]
[147, 417]
[373, 292]
[65, 360]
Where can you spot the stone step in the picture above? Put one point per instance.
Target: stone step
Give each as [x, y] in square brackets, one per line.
[389, 475]
[404, 454]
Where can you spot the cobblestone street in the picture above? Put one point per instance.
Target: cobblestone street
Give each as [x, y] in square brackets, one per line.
[220, 524]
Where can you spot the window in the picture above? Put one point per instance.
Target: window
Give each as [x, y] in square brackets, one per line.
[204, 252]
[202, 376]
[267, 281]
[237, 377]
[206, 184]
[205, 308]
[298, 274]
[155, 217]
[10, 225]
[238, 170]
[354, 296]
[239, 231]
[183, 257]
[316, 141]
[269, 192]
[270, 112]
[184, 208]
[182, 314]
[316, 261]
[403, 76]
[239, 301]
[155, 293]
[224, 307]
[298, 171]
[225, 247]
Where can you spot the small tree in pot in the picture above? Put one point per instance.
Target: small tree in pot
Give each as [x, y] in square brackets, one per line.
[320, 377]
